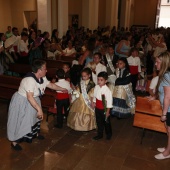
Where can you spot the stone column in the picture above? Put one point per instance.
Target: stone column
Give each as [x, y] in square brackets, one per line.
[62, 17]
[128, 13]
[54, 14]
[111, 13]
[44, 15]
[90, 13]
[125, 18]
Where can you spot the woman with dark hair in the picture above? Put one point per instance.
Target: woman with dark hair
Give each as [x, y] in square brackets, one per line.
[70, 50]
[54, 36]
[88, 54]
[81, 116]
[31, 38]
[46, 35]
[122, 49]
[25, 112]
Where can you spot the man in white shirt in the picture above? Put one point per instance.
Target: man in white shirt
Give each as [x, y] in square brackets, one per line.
[99, 67]
[12, 43]
[23, 48]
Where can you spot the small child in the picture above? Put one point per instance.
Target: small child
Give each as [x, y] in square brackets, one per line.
[81, 116]
[62, 99]
[135, 67]
[97, 57]
[123, 98]
[102, 102]
[66, 68]
[141, 83]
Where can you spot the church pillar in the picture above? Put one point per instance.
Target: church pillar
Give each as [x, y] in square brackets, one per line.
[62, 17]
[44, 15]
[54, 14]
[90, 13]
[111, 13]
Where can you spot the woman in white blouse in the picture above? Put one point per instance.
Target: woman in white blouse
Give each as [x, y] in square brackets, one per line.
[25, 112]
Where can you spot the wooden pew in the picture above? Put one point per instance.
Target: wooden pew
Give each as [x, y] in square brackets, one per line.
[8, 86]
[54, 63]
[48, 101]
[67, 58]
[21, 69]
[51, 73]
[147, 115]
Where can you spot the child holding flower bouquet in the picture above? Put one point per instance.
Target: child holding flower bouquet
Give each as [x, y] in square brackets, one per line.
[102, 103]
[81, 116]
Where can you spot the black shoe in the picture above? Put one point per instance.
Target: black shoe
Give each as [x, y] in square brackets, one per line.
[16, 147]
[108, 137]
[40, 137]
[58, 126]
[97, 137]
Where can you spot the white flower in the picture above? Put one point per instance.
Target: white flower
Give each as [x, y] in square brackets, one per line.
[75, 95]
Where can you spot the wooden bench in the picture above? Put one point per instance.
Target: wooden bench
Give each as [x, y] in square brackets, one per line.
[8, 86]
[21, 69]
[51, 73]
[67, 58]
[147, 115]
[54, 63]
[48, 101]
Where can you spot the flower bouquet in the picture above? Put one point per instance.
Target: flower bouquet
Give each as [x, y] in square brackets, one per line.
[74, 95]
[105, 108]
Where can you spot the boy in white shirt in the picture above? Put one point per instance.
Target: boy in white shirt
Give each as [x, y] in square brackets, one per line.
[99, 67]
[102, 103]
[135, 67]
[62, 99]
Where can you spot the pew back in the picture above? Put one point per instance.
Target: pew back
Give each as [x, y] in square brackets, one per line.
[8, 86]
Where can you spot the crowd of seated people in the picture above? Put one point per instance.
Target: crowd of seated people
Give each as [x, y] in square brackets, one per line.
[82, 43]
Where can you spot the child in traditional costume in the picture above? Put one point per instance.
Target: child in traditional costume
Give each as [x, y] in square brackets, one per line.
[123, 98]
[102, 103]
[81, 116]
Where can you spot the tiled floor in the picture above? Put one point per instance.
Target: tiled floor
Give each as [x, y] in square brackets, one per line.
[66, 149]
